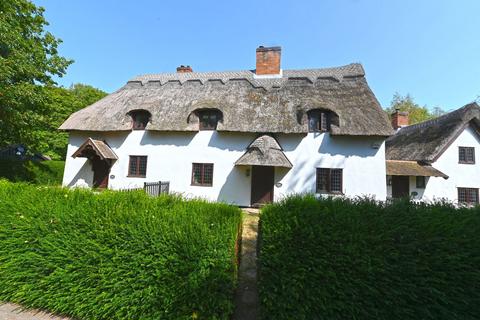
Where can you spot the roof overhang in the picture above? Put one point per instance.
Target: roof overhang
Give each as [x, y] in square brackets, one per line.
[412, 168]
[264, 151]
[91, 148]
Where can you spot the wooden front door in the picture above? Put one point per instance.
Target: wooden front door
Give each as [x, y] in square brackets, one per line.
[101, 170]
[262, 185]
[400, 186]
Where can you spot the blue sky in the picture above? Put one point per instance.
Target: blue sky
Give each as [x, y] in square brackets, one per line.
[428, 48]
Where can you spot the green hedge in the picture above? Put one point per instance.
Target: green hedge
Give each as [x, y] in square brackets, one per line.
[116, 255]
[44, 172]
[339, 259]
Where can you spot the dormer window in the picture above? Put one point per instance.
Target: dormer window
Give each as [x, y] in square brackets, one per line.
[140, 118]
[208, 119]
[318, 121]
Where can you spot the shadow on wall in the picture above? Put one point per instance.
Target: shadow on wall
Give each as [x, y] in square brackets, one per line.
[231, 141]
[167, 138]
[84, 176]
[236, 188]
[349, 146]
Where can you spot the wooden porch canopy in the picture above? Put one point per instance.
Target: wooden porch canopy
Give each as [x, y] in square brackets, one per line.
[412, 168]
[92, 148]
[264, 151]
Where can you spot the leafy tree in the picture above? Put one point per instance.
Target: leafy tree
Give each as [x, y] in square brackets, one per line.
[416, 112]
[60, 103]
[28, 61]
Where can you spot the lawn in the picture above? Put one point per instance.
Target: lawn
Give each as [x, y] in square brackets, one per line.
[116, 255]
[340, 259]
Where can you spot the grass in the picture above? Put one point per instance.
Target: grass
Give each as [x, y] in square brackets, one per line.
[116, 255]
[41, 173]
[340, 259]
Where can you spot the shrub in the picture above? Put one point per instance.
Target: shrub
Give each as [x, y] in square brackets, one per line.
[340, 259]
[45, 172]
[116, 255]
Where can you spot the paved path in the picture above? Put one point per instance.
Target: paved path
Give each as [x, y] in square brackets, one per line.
[246, 297]
[10, 311]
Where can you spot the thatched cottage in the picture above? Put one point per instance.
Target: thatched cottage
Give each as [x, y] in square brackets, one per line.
[243, 137]
[436, 159]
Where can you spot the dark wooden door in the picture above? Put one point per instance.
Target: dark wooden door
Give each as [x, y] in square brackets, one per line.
[101, 170]
[262, 185]
[400, 186]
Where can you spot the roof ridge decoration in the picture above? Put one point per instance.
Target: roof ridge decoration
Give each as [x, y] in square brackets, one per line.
[337, 73]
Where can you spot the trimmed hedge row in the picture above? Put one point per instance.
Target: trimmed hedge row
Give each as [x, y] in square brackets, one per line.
[44, 172]
[116, 255]
[340, 259]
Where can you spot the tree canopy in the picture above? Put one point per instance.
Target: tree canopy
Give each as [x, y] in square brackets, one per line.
[416, 112]
[31, 106]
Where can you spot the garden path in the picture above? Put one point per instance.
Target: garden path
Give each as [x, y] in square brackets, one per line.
[10, 311]
[246, 298]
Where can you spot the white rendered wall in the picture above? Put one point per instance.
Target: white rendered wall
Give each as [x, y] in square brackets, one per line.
[170, 158]
[362, 164]
[460, 175]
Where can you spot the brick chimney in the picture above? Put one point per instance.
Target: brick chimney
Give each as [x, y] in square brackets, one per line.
[399, 119]
[268, 60]
[183, 69]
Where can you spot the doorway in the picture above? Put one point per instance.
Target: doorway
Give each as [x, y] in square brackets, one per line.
[262, 185]
[101, 170]
[400, 186]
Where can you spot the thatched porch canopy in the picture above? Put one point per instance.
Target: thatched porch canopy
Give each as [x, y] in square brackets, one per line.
[412, 168]
[92, 148]
[264, 151]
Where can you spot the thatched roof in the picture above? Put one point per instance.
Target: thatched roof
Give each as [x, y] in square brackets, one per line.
[95, 147]
[249, 103]
[426, 141]
[412, 168]
[264, 151]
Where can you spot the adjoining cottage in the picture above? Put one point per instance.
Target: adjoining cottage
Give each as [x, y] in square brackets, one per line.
[436, 159]
[242, 137]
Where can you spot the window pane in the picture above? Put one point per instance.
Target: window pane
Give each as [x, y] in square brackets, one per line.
[323, 121]
[468, 195]
[336, 180]
[461, 154]
[466, 154]
[313, 121]
[142, 166]
[132, 168]
[197, 173]
[322, 179]
[207, 174]
[470, 155]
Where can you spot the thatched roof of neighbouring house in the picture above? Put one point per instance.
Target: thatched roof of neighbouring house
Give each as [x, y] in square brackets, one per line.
[264, 151]
[426, 141]
[412, 168]
[248, 103]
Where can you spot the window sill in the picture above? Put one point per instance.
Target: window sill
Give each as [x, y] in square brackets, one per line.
[131, 176]
[460, 162]
[330, 193]
[201, 185]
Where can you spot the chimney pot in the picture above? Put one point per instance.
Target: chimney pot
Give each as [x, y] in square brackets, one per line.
[268, 60]
[183, 69]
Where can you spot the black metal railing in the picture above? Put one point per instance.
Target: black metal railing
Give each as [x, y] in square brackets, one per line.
[156, 188]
